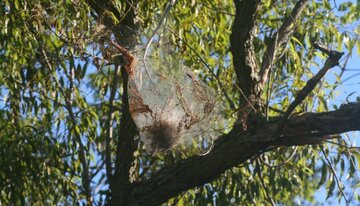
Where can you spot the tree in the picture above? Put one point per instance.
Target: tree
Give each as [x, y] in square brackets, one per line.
[66, 131]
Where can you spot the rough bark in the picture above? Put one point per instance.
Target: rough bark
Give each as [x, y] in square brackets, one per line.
[242, 47]
[251, 78]
[125, 33]
[237, 147]
[121, 187]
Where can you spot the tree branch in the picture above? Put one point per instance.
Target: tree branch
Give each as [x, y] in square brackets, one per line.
[125, 149]
[244, 58]
[237, 147]
[211, 70]
[339, 184]
[109, 125]
[68, 98]
[124, 31]
[333, 60]
[242, 48]
[121, 23]
[279, 38]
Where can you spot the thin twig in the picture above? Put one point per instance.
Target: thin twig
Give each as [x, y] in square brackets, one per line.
[97, 169]
[232, 105]
[334, 173]
[217, 10]
[82, 156]
[145, 169]
[341, 145]
[267, 192]
[280, 37]
[168, 7]
[282, 163]
[251, 104]
[109, 123]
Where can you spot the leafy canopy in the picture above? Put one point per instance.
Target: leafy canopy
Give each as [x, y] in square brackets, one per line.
[56, 92]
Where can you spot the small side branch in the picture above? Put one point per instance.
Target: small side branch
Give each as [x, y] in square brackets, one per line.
[168, 7]
[68, 97]
[129, 58]
[333, 60]
[322, 47]
[266, 189]
[109, 123]
[335, 176]
[232, 105]
[279, 38]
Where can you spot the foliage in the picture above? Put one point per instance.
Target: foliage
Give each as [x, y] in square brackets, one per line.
[57, 93]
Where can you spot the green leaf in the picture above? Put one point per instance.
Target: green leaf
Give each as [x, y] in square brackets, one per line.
[77, 129]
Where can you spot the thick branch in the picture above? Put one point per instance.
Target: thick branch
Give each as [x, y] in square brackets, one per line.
[242, 48]
[235, 148]
[124, 32]
[124, 153]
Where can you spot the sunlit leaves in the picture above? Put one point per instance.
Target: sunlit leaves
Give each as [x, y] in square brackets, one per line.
[34, 61]
[51, 62]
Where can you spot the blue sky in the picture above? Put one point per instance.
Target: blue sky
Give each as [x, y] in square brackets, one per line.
[347, 91]
[349, 87]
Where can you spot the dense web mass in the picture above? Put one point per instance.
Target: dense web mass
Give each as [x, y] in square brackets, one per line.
[168, 103]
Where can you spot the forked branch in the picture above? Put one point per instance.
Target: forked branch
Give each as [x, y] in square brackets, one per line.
[279, 38]
[333, 60]
[238, 147]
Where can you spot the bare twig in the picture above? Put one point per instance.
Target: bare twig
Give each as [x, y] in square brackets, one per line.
[343, 68]
[341, 145]
[232, 105]
[168, 7]
[131, 61]
[322, 47]
[348, 150]
[145, 169]
[98, 169]
[217, 10]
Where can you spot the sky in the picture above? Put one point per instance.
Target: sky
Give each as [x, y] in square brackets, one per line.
[348, 91]
[352, 88]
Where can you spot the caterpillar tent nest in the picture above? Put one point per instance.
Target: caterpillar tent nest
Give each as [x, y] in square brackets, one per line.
[167, 103]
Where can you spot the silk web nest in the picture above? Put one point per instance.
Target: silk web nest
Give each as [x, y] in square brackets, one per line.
[168, 103]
